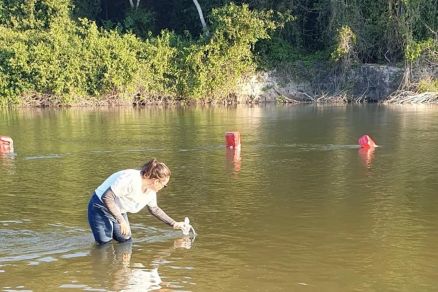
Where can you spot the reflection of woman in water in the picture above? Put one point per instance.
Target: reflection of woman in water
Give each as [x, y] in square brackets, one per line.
[127, 191]
[115, 260]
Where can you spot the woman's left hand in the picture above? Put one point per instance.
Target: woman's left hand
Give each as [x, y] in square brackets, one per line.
[178, 225]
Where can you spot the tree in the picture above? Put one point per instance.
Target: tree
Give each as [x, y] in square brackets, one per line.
[137, 4]
[201, 16]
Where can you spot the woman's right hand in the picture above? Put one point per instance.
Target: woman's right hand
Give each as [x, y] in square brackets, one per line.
[124, 228]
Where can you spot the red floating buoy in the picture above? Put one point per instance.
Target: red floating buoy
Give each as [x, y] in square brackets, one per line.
[6, 144]
[366, 142]
[232, 139]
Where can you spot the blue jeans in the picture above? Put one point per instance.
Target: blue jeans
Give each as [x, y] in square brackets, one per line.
[103, 225]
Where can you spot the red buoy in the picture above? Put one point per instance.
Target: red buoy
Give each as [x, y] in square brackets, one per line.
[366, 142]
[232, 139]
[6, 144]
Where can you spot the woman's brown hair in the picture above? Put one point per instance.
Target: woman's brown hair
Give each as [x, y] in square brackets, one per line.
[155, 169]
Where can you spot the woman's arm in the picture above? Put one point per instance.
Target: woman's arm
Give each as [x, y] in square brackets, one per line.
[109, 200]
[160, 214]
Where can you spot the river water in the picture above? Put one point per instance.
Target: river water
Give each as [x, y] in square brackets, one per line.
[300, 208]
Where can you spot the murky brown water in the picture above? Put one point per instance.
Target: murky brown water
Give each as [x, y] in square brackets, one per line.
[302, 210]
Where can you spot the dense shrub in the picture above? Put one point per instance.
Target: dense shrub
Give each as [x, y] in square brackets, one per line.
[76, 60]
[67, 62]
[33, 14]
[213, 65]
[120, 51]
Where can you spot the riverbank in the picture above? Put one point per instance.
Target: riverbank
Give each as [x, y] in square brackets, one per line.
[398, 97]
[360, 84]
[324, 83]
[60, 54]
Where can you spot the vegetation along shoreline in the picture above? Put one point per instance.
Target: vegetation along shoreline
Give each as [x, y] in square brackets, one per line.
[91, 53]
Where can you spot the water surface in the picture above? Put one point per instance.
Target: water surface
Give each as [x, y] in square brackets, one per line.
[300, 209]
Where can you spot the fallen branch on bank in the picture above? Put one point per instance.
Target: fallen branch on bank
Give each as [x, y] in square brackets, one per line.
[410, 97]
[325, 98]
[330, 98]
[341, 97]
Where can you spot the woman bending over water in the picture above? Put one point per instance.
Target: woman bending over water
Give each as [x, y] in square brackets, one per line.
[127, 191]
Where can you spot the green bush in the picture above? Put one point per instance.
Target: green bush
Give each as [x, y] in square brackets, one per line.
[15, 75]
[67, 63]
[33, 14]
[72, 60]
[428, 85]
[414, 50]
[213, 65]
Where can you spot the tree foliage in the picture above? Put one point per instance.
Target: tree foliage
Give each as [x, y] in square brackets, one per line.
[81, 48]
[74, 59]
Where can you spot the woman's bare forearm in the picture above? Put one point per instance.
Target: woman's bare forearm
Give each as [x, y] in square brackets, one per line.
[161, 215]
